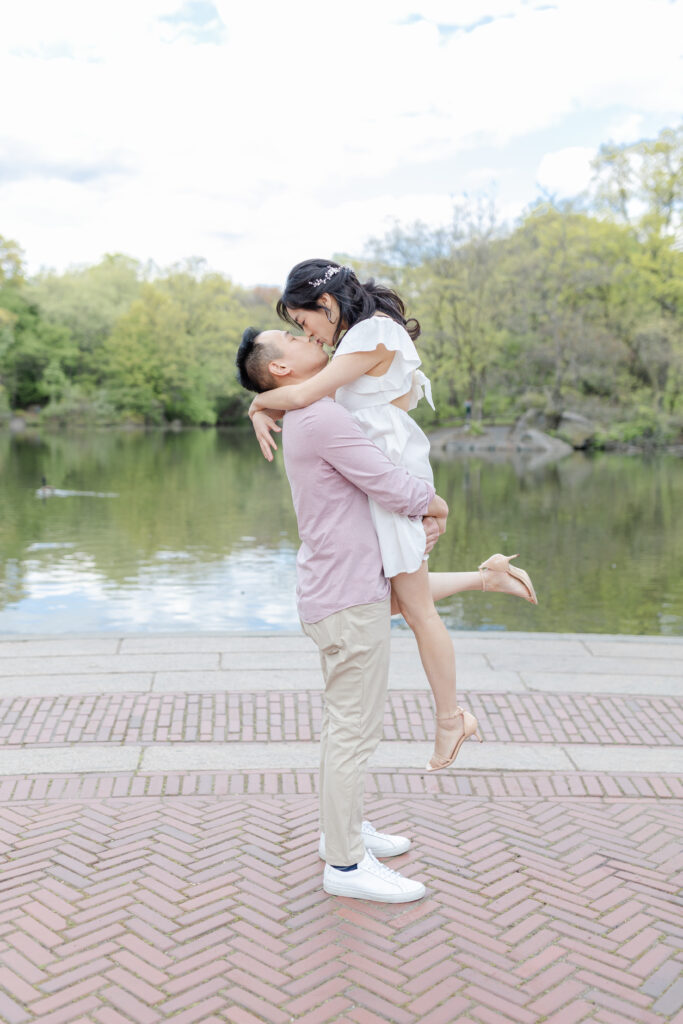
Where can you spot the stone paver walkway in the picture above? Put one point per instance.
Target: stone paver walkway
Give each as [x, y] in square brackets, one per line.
[159, 847]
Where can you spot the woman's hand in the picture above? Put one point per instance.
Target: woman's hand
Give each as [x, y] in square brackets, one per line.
[256, 406]
[264, 426]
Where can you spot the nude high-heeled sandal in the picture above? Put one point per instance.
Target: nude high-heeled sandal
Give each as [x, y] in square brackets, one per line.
[501, 563]
[470, 728]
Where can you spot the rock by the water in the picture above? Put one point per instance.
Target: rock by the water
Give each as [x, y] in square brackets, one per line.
[537, 441]
[576, 429]
[504, 441]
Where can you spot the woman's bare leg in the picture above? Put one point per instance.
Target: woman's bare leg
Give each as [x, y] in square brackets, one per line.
[411, 591]
[441, 585]
[446, 584]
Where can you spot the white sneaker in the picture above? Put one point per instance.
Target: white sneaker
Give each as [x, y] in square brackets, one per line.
[379, 843]
[372, 880]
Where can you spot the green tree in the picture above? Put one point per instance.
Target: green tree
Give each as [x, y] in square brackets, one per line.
[171, 355]
[450, 280]
[11, 263]
[28, 345]
[561, 267]
[88, 301]
[641, 185]
[215, 317]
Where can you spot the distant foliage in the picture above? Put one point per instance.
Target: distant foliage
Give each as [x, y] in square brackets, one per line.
[112, 343]
[579, 305]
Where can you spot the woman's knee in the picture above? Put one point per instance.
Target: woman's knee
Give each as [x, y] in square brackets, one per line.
[420, 618]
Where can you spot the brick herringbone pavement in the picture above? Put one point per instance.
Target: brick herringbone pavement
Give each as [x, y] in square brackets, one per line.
[296, 715]
[210, 909]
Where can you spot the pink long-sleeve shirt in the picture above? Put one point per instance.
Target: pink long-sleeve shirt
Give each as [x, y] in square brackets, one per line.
[332, 467]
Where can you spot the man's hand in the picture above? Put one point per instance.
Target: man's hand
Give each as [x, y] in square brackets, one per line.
[434, 522]
[439, 509]
[432, 532]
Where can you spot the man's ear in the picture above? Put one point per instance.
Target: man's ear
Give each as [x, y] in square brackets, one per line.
[278, 369]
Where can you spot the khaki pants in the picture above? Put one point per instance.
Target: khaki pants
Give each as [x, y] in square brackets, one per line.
[354, 655]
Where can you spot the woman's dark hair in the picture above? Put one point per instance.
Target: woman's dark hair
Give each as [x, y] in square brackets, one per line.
[307, 281]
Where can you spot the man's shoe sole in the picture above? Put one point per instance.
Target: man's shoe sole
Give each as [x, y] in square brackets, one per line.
[399, 897]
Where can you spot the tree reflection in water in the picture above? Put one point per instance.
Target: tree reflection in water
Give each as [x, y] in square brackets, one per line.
[203, 537]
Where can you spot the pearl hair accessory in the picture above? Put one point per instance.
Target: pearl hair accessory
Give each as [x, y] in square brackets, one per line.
[330, 272]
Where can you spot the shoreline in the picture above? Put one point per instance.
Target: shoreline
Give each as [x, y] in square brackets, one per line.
[445, 440]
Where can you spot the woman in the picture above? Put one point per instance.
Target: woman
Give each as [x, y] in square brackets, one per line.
[375, 374]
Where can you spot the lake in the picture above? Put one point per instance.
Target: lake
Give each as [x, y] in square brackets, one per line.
[201, 536]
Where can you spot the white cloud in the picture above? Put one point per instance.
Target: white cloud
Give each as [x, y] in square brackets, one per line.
[624, 129]
[146, 141]
[278, 237]
[566, 172]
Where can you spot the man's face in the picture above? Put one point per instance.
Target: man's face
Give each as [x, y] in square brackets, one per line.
[299, 353]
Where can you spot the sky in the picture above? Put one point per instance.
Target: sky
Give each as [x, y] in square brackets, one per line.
[256, 134]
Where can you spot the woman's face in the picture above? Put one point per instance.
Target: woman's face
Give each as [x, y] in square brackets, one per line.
[315, 323]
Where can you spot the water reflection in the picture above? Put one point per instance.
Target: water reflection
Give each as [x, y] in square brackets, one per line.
[203, 537]
[228, 594]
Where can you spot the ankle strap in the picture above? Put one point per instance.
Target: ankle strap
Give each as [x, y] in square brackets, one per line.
[452, 714]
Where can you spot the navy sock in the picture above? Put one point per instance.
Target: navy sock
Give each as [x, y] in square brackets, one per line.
[351, 867]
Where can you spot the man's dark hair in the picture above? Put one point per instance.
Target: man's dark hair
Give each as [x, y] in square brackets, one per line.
[252, 361]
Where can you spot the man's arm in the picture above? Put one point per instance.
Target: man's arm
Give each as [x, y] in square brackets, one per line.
[339, 440]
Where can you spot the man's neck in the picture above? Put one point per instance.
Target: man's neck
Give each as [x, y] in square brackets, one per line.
[298, 378]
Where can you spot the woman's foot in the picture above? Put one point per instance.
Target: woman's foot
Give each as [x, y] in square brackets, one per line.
[451, 732]
[499, 577]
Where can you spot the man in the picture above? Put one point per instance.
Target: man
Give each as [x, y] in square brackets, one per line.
[343, 600]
